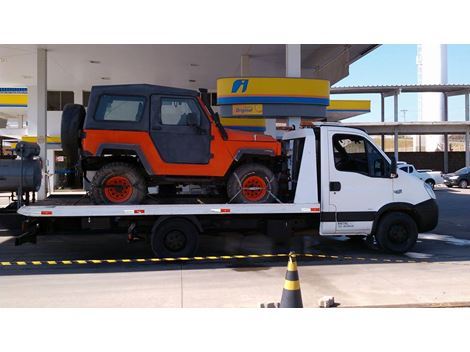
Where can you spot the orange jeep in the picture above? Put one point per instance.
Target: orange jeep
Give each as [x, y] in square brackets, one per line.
[137, 136]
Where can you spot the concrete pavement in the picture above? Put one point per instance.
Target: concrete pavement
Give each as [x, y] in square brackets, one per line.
[438, 271]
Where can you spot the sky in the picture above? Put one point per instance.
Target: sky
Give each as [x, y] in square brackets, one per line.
[393, 64]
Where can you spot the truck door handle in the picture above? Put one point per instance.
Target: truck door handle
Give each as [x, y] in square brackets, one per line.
[335, 186]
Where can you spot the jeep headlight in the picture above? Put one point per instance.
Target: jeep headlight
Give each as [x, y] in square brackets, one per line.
[430, 191]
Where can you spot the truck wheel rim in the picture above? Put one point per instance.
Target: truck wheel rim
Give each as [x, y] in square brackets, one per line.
[175, 240]
[254, 188]
[117, 189]
[398, 234]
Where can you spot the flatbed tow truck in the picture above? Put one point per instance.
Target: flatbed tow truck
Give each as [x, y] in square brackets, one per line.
[339, 183]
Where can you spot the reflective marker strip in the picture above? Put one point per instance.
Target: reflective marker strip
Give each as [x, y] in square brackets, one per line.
[46, 212]
[310, 210]
[221, 210]
[139, 211]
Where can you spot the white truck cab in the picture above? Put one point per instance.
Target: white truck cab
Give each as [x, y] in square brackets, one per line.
[362, 193]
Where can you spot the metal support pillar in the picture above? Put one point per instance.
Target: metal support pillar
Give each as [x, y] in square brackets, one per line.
[41, 115]
[467, 151]
[446, 153]
[395, 119]
[382, 117]
[293, 69]
[467, 107]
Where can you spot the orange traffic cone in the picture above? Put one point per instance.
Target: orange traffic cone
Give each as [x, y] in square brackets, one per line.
[291, 295]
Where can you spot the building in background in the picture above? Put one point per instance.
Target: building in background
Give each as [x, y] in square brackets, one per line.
[431, 61]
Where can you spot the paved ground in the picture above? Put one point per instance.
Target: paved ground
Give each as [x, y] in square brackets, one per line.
[435, 272]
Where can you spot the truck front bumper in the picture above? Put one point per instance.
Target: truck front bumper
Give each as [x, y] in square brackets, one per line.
[427, 215]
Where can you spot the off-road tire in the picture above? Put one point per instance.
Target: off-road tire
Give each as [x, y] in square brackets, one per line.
[174, 238]
[252, 183]
[73, 117]
[396, 233]
[118, 183]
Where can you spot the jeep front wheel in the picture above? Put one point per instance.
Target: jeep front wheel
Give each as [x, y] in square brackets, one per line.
[252, 183]
[118, 183]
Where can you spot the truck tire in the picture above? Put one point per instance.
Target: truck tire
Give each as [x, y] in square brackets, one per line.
[431, 182]
[71, 124]
[463, 184]
[175, 238]
[252, 183]
[118, 183]
[396, 233]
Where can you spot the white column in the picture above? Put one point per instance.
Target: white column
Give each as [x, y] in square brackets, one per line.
[78, 96]
[41, 101]
[293, 69]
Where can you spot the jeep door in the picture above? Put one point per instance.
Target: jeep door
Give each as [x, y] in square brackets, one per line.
[180, 130]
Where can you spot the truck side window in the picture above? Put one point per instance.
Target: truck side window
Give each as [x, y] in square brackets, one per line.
[355, 154]
[120, 108]
[176, 111]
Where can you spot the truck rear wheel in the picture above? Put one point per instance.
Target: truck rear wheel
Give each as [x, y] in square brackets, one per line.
[118, 183]
[397, 232]
[174, 238]
[252, 183]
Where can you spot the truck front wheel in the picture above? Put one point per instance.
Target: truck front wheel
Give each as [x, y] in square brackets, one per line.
[396, 232]
[118, 183]
[252, 183]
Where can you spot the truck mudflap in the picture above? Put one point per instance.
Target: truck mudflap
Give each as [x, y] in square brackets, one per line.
[427, 215]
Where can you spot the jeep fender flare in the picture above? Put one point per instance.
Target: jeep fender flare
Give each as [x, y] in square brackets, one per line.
[258, 152]
[131, 147]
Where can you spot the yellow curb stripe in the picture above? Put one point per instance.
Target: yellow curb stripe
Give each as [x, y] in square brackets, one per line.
[155, 260]
[141, 260]
[36, 262]
[110, 261]
[96, 261]
[212, 257]
[51, 262]
[66, 262]
[81, 261]
[291, 285]
[226, 257]
[21, 263]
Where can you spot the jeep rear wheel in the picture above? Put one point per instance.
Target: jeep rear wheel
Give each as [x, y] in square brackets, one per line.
[118, 183]
[252, 183]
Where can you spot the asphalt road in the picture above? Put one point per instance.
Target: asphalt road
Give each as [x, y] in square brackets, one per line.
[336, 266]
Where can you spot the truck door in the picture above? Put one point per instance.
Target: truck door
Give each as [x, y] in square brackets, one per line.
[357, 183]
[180, 130]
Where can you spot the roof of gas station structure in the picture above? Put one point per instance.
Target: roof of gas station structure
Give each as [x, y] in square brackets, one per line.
[448, 89]
[81, 66]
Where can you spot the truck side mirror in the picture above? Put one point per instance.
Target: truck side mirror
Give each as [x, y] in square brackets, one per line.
[393, 168]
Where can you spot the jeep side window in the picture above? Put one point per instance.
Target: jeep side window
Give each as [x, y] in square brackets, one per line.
[356, 154]
[120, 108]
[179, 112]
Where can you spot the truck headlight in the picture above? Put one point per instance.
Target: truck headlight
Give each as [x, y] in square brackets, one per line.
[430, 191]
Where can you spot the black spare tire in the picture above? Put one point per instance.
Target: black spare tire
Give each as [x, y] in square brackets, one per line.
[73, 117]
